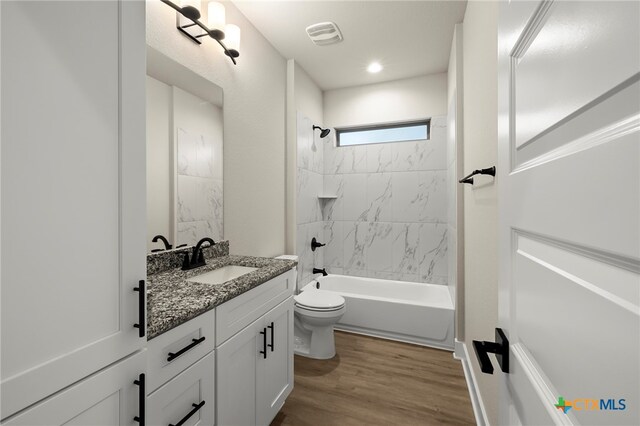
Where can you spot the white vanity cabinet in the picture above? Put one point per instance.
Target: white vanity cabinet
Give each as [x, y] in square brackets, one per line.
[274, 374]
[181, 384]
[255, 365]
[188, 398]
[73, 207]
[173, 351]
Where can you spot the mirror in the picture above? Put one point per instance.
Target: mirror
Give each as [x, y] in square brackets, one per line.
[184, 155]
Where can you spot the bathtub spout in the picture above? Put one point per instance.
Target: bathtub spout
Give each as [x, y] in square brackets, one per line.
[320, 271]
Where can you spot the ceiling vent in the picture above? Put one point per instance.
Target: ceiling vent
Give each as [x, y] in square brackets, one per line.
[324, 33]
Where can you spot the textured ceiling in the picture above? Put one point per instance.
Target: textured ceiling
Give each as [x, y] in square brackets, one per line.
[408, 38]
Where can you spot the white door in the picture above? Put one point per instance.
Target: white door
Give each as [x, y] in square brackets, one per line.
[274, 380]
[569, 178]
[236, 362]
[73, 191]
[111, 397]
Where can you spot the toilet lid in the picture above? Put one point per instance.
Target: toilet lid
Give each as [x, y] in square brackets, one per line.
[319, 299]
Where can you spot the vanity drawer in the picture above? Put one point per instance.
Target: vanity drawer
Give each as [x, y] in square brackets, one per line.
[239, 312]
[190, 397]
[178, 348]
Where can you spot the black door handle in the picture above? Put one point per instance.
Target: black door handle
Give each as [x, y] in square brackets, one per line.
[141, 311]
[264, 343]
[142, 396]
[194, 342]
[500, 347]
[195, 409]
[272, 343]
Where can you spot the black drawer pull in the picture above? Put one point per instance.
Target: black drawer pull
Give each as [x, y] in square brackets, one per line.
[141, 311]
[196, 407]
[271, 344]
[194, 342]
[264, 343]
[142, 395]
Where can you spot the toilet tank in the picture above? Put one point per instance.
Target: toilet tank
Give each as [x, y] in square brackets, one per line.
[291, 257]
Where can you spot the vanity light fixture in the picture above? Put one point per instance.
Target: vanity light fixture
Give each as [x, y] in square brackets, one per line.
[188, 23]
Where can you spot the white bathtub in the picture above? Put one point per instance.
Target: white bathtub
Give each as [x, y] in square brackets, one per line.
[409, 312]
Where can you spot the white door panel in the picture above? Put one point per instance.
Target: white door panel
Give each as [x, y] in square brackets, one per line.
[73, 185]
[596, 41]
[236, 369]
[274, 375]
[600, 182]
[565, 337]
[109, 397]
[569, 224]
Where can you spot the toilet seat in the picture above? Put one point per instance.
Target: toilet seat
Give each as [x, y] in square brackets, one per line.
[319, 301]
[310, 309]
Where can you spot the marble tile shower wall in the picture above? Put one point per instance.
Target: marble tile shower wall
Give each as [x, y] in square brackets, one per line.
[389, 219]
[199, 191]
[309, 185]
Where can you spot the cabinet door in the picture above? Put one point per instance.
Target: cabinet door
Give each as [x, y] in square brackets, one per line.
[274, 379]
[187, 398]
[236, 376]
[109, 397]
[73, 191]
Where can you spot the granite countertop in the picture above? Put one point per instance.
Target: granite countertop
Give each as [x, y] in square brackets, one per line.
[172, 300]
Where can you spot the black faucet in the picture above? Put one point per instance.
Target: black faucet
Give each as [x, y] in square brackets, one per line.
[197, 257]
[155, 239]
[320, 271]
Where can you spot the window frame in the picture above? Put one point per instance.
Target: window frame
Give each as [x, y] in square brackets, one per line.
[383, 126]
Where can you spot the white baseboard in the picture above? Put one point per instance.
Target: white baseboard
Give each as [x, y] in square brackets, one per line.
[460, 352]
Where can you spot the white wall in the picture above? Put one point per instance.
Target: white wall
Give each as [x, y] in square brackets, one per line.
[455, 170]
[399, 100]
[159, 162]
[254, 130]
[308, 96]
[480, 202]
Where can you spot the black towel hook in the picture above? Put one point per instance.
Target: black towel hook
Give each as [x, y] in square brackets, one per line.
[491, 171]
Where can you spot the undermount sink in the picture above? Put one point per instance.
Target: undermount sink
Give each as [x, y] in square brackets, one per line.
[222, 275]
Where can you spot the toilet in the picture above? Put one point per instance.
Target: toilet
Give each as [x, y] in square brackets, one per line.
[315, 313]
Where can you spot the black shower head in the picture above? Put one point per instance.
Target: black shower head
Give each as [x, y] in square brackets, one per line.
[323, 132]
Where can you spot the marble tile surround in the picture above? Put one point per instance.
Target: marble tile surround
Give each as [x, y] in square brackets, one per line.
[309, 184]
[389, 219]
[199, 188]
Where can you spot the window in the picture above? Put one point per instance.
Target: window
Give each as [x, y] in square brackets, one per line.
[400, 132]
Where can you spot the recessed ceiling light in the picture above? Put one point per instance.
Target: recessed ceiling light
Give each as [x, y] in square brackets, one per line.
[374, 67]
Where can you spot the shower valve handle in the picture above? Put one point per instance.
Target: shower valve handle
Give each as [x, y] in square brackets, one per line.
[315, 244]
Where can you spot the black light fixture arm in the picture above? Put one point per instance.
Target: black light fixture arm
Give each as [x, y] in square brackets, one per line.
[491, 171]
[193, 15]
